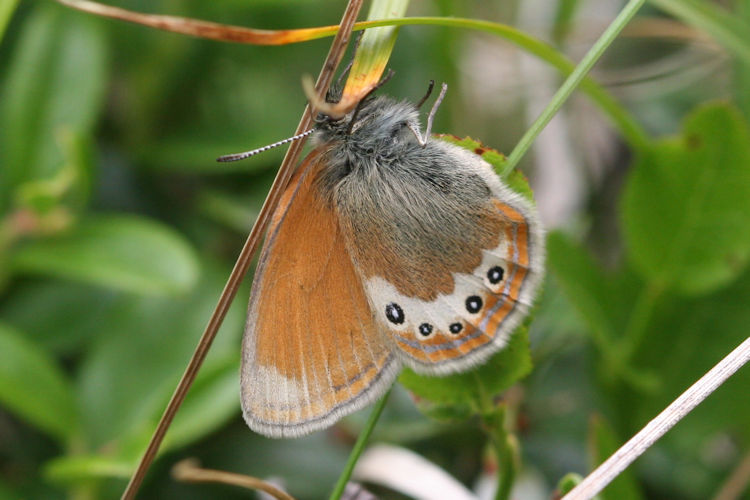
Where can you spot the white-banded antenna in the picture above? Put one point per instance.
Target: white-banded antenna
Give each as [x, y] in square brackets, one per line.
[422, 139]
[247, 154]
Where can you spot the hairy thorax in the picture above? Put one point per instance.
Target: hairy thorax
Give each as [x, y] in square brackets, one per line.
[412, 219]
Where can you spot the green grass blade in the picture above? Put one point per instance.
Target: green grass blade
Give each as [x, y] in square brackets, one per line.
[7, 7]
[359, 447]
[631, 130]
[376, 45]
[573, 81]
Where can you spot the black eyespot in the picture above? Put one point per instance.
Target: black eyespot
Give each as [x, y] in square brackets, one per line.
[425, 329]
[394, 313]
[474, 304]
[495, 275]
[456, 327]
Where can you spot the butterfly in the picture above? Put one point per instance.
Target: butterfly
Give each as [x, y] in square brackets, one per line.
[388, 249]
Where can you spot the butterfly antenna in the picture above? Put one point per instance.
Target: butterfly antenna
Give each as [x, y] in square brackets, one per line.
[351, 61]
[422, 139]
[382, 82]
[344, 73]
[430, 86]
[247, 154]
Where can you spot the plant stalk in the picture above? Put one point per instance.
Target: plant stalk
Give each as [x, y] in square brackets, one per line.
[359, 447]
[570, 84]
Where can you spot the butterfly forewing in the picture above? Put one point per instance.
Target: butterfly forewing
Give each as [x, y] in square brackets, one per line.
[311, 351]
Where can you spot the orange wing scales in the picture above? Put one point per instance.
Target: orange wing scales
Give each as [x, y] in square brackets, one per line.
[311, 348]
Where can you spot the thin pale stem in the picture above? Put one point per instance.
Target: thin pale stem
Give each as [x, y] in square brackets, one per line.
[654, 430]
[737, 482]
[332, 61]
[359, 447]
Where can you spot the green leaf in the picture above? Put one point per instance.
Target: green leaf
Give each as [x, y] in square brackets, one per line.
[122, 252]
[72, 469]
[55, 82]
[70, 184]
[375, 45]
[686, 206]
[586, 286]
[7, 7]
[685, 339]
[515, 179]
[602, 444]
[128, 376]
[211, 402]
[34, 387]
[466, 394]
[61, 316]
[567, 483]
[604, 300]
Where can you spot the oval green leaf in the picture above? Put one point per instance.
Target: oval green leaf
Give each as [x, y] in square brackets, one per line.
[686, 206]
[121, 252]
[77, 468]
[472, 393]
[128, 376]
[33, 387]
[55, 82]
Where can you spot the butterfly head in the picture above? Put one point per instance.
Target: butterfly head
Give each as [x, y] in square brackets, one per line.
[379, 126]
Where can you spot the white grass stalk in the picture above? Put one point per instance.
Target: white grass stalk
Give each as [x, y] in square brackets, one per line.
[638, 444]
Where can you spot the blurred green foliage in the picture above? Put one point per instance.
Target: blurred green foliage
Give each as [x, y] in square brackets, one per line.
[117, 230]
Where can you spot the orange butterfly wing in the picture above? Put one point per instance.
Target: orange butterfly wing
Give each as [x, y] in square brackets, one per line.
[311, 351]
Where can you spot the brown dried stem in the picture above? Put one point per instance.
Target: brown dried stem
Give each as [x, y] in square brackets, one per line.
[189, 471]
[737, 482]
[332, 61]
[202, 29]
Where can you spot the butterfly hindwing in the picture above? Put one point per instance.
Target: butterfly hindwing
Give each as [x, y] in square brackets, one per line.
[450, 303]
[311, 351]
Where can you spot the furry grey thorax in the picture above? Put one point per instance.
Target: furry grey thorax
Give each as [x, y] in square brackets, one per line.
[379, 137]
[399, 197]
[380, 146]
